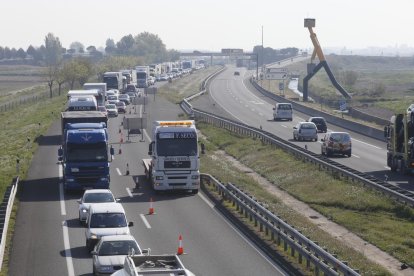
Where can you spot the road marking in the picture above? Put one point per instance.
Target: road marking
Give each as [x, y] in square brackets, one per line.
[355, 156]
[129, 192]
[144, 219]
[284, 126]
[146, 135]
[366, 143]
[61, 192]
[118, 171]
[209, 203]
[261, 114]
[68, 254]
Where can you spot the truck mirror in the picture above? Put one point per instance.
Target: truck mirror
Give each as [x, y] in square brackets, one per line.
[111, 151]
[150, 148]
[130, 224]
[386, 131]
[60, 158]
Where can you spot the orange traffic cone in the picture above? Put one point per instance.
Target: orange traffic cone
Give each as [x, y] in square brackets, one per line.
[151, 208]
[180, 250]
[122, 138]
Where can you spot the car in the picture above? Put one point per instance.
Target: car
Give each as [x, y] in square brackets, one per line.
[336, 143]
[103, 110]
[164, 77]
[283, 111]
[131, 88]
[305, 131]
[110, 252]
[112, 110]
[103, 220]
[320, 123]
[112, 92]
[132, 95]
[151, 80]
[125, 98]
[121, 107]
[236, 73]
[93, 196]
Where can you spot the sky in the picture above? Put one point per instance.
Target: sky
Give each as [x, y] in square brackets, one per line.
[210, 24]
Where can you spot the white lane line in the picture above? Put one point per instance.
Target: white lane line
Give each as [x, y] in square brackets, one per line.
[355, 156]
[68, 254]
[144, 219]
[261, 114]
[284, 126]
[118, 171]
[209, 203]
[129, 192]
[61, 192]
[146, 135]
[366, 143]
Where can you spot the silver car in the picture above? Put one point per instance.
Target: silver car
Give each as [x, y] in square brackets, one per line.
[305, 131]
[94, 196]
[110, 252]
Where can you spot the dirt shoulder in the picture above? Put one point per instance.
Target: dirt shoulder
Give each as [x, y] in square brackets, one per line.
[340, 233]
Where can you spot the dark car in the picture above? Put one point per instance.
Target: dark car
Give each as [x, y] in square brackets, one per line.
[320, 123]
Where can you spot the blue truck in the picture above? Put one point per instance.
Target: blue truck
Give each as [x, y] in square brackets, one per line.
[84, 150]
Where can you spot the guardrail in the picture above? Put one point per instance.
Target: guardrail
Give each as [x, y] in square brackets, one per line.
[279, 230]
[5, 211]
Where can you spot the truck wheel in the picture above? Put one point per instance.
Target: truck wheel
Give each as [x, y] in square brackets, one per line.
[393, 165]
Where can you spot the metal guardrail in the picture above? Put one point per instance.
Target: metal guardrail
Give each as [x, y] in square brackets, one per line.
[5, 211]
[279, 230]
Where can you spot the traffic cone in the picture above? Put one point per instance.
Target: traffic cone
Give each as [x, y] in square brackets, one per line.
[180, 250]
[127, 170]
[151, 208]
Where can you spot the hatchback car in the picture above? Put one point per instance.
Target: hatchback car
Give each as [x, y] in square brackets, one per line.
[112, 110]
[103, 220]
[121, 107]
[94, 196]
[320, 123]
[305, 131]
[110, 252]
[336, 143]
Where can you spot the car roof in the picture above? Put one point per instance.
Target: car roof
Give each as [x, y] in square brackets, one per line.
[110, 207]
[118, 238]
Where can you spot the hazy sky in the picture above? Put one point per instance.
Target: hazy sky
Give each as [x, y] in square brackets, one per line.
[209, 24]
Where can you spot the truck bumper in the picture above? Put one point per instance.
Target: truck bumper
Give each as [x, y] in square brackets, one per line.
[176, 182]
[74, 185]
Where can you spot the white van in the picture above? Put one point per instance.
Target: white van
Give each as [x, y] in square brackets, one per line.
[283, 111]
[105, 219]
[82, 103]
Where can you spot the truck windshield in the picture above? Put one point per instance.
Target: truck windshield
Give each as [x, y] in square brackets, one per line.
[111, 82]
[141, 75]
[177, 147]
[93, 152]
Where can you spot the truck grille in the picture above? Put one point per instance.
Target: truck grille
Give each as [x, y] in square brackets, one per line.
[177, 164]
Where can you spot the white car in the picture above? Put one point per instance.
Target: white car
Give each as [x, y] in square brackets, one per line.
[112, 110]
[94, 196]
[305, 131]
[105, 219]
[110, 252]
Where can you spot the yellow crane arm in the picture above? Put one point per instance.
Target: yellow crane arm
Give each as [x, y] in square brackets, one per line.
[317, 50]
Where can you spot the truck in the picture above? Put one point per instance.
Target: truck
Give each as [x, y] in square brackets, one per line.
[399, 135]
[83, 153]
[143, 72]
[130, 75]
[98, 94]
[136, 265]
[174, 163]
[113, 80]
[101, 87]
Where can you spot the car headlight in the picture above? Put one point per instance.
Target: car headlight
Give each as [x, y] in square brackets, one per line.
[159, 178]
[84, 210]
[104, 179]
[94, 236]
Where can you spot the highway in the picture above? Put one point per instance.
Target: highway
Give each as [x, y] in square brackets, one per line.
[49, 240]
[239, 100]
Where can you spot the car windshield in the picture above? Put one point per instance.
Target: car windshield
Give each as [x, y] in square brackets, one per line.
[110, 106]
[340, 137]
[110, 248]
[285, 106]
[308, 126]
[112, 97]
[98, 198]
[108, 220]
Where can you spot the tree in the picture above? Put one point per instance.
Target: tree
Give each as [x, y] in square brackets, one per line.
[7, 53]
[31, 51]
[53, 56]
[91, 49]
[21, 53]
[110, 46]
[150, 46]
[77, 46]
[125, 45]
[350, 77]
[13, 52]
[1, 52]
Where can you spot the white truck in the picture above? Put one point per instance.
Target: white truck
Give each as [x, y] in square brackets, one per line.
[101, 86]
[175, 159]
[137, 265]
[143, 72]
[114, 80]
